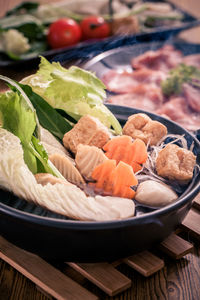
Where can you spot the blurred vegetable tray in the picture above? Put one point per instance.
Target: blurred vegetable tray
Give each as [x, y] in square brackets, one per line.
[90, 48]
[66, 282]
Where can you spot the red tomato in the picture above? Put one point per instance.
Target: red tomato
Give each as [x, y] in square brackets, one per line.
[63, 32]
[94, 27]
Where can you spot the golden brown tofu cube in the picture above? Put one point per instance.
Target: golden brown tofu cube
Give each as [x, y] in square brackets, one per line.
[142, 127]
[176, 163]
[88, 131]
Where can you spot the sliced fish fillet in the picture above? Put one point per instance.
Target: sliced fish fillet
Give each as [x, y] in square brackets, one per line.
[66, 168]
[87, 158]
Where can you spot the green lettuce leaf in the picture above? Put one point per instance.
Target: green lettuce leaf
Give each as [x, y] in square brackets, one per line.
[19, 117]
[74, 90]
[20, 120]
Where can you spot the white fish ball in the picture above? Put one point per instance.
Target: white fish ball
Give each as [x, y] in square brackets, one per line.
[155, 194]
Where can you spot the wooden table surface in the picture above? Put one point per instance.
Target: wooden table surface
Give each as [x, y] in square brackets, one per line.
[177, 280]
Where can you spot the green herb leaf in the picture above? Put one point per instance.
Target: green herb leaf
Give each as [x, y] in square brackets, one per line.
[178, 76]
[48, 117]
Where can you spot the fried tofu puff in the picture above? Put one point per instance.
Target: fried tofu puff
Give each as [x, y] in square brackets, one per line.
[176, 163]
[88, 131]
[141, 126]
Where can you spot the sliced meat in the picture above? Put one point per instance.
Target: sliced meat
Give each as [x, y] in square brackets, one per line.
[192, 60]
[141, 88]
[125, 82]
[119, 82]
[192, 96]
[163, 59]
[177, 110]
[143, 97]
[149, 76]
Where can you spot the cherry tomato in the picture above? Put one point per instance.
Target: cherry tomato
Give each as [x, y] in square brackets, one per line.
[94, 27]
[63, 32]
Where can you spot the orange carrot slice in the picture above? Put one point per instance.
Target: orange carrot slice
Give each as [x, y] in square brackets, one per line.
[123, 149]
[116, 141]
[101, 174]
[123, 177]
[136, 167]
[139, 151]
[115, 180]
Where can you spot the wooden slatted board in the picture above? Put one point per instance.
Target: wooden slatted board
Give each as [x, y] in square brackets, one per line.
[104, 275]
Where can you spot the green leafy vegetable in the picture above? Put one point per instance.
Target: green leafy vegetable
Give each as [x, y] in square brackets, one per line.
[178, 76]
[43, 164]
[49, 118]
[19, 117]
[36, 48]
[29, 25]
[23, 7]
[160, 20]
[22, 36]
[33, 31]
[74, 90]
[13, 56]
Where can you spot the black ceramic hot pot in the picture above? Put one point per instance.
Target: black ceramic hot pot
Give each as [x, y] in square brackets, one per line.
[56, 237]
